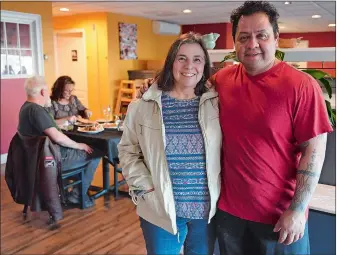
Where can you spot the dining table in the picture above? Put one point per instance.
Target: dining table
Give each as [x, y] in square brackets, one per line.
[107, 142]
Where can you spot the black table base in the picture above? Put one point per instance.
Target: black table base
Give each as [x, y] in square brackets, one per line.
[106, 141]
[107, 188]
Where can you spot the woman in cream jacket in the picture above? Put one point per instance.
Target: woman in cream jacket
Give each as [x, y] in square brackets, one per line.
[170, 153]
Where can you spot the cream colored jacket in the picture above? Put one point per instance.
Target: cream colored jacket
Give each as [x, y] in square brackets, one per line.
[143, 160]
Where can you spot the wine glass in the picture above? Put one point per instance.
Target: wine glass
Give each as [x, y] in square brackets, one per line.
[108, 113]
[105, 113]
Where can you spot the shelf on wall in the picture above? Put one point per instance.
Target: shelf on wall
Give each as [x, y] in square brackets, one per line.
[291, 54]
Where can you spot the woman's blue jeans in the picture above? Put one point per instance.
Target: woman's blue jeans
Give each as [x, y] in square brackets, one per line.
[197, 236]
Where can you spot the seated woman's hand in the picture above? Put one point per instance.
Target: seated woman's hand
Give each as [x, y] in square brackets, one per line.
[72, 119]
[144, 87]
[88, 113]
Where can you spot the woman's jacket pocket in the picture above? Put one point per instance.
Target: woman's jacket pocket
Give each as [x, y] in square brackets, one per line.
[150, 202]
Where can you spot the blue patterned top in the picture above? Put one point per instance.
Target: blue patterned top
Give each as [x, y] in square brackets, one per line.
[186, 157]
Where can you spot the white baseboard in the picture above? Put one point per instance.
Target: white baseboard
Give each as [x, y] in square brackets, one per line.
[3, 158]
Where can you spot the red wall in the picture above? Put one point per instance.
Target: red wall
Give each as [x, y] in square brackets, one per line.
[12, 97]
[225, 40]
[317, 39]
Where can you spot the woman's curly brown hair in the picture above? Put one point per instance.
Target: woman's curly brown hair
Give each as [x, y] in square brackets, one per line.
[58, 87]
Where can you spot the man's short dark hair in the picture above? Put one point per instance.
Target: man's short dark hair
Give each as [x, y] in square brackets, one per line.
[252, 7]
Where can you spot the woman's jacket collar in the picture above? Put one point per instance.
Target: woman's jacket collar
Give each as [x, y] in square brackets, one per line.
[154, 94]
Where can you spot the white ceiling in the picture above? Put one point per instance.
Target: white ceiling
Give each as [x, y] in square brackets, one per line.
[295, 17]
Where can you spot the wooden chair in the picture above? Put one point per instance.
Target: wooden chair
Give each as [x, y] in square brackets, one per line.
[126, 93]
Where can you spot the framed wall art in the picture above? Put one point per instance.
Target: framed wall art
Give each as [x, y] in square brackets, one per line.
[127, 41]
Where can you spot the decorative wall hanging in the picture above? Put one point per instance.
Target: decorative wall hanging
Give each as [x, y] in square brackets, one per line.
[127, 41]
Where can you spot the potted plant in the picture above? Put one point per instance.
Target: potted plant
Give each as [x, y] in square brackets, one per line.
[323, 78]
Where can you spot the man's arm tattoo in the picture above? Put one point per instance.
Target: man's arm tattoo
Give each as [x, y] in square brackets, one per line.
[306, 181]
[307, 178]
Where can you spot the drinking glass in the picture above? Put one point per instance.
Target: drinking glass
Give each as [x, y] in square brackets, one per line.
[105, 114]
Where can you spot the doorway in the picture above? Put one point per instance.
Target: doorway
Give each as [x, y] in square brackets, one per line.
[71, 60]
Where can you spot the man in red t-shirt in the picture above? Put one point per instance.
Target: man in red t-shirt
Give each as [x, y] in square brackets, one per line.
[275, 125]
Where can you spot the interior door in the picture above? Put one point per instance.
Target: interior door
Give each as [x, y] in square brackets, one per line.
[71, 61]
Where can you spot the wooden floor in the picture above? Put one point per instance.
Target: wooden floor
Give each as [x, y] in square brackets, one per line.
[111, 227]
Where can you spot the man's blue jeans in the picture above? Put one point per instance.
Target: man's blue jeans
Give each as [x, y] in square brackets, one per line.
[197, 236]
[72, 158]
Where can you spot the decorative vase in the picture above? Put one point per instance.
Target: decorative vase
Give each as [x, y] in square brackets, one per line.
[209, 40]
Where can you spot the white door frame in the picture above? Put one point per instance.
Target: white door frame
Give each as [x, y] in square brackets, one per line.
[71, 31]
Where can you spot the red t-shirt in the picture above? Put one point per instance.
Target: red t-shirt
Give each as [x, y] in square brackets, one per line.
[264, 118]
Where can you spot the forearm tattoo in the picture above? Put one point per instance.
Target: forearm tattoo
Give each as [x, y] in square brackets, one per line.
[307, 178]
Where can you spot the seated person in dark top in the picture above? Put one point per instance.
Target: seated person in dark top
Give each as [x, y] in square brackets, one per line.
[34, 120]
[64, 105]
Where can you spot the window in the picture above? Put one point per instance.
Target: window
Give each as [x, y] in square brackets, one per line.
[21, 45]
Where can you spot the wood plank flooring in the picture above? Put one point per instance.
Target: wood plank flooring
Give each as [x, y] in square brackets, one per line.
[111, 227]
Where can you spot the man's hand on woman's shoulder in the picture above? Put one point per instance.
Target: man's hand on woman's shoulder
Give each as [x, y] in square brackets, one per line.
[144, 87]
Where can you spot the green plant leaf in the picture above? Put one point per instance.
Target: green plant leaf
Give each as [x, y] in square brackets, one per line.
[331, 113]
[317, 74]
[327, 86]
[279, 55]
[231, 55]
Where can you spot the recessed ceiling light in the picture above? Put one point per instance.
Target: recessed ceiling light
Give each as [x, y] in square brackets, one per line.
[187, 11]
[316, 16]
[287, 2]
[64, 9]
[331, 25]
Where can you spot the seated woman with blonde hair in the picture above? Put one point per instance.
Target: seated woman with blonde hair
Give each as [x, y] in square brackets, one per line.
[65, 106]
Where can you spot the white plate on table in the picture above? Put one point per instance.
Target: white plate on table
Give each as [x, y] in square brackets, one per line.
[110, 126]
[80, 124]
[83, 130]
